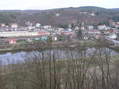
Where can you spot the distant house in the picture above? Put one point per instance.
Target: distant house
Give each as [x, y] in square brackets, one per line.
[14, 25]
[12, 41]
[110, 31]
[54, 38]
[102, 27]
[2, 25]
[43, 33]
[44, 38]
[38, 25]
[57, 14]
[94, 32]
[76, 28]
[47, 27]
[115, 24]
[67, 33]
[82, 28]
[85, 13]
[112, 36]
[69, 29]
[92, 14]
[90, 27]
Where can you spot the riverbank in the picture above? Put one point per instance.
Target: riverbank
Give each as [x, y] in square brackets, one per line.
[46, 45]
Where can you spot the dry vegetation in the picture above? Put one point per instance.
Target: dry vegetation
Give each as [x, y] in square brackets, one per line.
[99, 71]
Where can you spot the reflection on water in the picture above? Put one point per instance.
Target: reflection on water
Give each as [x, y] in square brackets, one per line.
[57, 53]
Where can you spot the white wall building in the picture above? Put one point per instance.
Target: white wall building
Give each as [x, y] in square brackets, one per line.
[18, 34]
[14, 25]
[90, 27]
[102, 27]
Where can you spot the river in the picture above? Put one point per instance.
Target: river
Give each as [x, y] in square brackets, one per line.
[59, 53]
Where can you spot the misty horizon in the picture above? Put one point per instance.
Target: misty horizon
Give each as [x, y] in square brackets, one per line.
[52, 4]
[55, 8]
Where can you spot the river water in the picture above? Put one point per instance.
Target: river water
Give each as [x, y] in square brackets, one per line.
[64, 53]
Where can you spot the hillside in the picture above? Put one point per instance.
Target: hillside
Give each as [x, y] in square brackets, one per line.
[88, 14]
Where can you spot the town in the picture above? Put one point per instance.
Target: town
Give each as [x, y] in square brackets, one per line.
[15, 34]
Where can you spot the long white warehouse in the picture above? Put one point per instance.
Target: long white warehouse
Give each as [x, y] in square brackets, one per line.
[22, 34]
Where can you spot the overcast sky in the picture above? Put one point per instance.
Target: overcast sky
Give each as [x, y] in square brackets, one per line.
[49, 4]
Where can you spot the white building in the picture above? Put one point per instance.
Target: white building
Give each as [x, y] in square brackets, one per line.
[92, 14]
[38, 25]
[18, 34]
[90, 27]
[112, 36]
[102, 27]
[14, 25]
[2, 25]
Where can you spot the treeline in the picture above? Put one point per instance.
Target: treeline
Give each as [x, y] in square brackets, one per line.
[45, 70]
[66, 16]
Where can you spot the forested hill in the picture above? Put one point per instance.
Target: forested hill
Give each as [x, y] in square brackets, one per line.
[88, 14]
